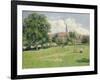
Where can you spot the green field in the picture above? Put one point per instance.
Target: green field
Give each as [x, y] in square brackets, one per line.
[56, 57]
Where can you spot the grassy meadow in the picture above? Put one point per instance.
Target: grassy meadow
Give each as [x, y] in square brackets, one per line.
[56, 57]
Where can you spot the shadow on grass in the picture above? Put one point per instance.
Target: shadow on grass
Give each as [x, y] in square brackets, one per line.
[83, 60]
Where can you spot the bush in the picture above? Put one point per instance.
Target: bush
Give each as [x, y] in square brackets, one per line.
[85, 39]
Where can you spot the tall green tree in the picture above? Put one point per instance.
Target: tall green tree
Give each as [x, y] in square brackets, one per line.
[72, 39]
[35, 30]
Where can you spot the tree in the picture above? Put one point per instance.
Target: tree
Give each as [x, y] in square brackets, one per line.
[72, 38]
[35, 30]
[85, 39]
[60, 41]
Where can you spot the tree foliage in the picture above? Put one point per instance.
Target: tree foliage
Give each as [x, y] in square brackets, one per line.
[60, 41]
[35, 30]
[72, 37]
[85, 39]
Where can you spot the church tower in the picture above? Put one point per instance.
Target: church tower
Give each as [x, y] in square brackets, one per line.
[66, 28]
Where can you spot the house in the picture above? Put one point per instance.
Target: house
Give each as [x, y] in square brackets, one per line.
[60, 35]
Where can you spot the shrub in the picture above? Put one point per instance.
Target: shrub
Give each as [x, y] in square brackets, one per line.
[85, 39]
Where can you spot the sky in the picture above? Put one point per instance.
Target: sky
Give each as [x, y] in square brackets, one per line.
[58, 20]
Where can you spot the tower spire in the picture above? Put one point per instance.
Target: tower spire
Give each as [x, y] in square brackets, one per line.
[66, 28]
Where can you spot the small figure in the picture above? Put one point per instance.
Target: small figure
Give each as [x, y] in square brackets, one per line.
[81, 50]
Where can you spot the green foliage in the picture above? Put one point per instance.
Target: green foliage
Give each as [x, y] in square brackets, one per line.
[60, 41]
[35, 29]
[85, 39]
[72, 37]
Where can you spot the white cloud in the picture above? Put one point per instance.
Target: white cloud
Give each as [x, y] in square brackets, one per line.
[57, 26]
[72, 25]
